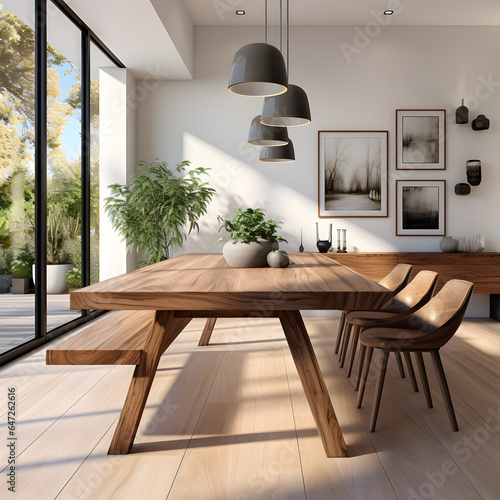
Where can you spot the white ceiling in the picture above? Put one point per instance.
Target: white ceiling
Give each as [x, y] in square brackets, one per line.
[347, 12]
[154, 37]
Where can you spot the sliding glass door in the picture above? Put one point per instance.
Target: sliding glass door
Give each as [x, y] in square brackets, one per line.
[17, 176]
[50, 64]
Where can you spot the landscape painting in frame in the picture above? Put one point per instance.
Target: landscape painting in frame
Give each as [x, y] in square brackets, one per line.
[420, 208]
[352, 173]
[420, 139]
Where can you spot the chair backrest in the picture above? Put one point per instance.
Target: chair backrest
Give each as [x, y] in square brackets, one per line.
[396, 280]
[416, 294]
[442, 315]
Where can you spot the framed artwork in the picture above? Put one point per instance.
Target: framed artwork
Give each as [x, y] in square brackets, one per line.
[352, 173]
[420, 208]
[420, 139]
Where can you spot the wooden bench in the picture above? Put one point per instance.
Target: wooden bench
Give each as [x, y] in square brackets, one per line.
[118, 338]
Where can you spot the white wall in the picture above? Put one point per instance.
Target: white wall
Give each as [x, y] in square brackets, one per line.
[117, 160]
[402, 67]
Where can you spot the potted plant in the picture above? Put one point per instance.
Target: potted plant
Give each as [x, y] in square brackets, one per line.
[6, 260]
[74, 278]
[252, 237]
[22, 271]
[61, 228]
[153, 210]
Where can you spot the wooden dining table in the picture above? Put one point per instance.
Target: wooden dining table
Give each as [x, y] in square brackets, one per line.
[204, 286]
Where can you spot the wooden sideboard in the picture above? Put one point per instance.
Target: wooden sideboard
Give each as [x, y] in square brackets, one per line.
[482, 269]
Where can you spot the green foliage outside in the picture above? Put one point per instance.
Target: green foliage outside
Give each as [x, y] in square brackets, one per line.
[6, 261]
[17, 197]
[250, 225]
[74, 278]
[22, 265]
[153, 211]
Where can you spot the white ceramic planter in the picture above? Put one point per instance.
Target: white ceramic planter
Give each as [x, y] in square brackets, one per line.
[56, 277]
[253, 254]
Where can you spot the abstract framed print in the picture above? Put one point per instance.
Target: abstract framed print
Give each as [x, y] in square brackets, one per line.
[420, 139]
[420, 208]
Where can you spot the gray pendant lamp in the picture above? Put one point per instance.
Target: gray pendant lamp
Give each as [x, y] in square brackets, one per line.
[260, 135]
[258, 70]
[279, 154]
[292, 108]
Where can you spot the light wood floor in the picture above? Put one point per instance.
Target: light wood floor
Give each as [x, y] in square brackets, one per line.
[230, 421]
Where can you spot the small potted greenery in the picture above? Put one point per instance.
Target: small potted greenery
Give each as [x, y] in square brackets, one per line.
[154, 209]
[22, 272]
[252, 237]
[6, 260]
[74, 278]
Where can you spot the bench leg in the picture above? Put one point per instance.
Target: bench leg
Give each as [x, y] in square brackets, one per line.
[207, 332]
[164, 330]
[313, 383]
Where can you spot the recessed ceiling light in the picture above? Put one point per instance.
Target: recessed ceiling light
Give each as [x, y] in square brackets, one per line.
[388, 12]
[240, 12]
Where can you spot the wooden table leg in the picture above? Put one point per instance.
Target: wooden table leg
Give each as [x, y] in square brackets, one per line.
[313, 383]
[207, 332]
[164, 330]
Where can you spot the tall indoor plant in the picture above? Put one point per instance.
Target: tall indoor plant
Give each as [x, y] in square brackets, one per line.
[152, 211]
[252, 237]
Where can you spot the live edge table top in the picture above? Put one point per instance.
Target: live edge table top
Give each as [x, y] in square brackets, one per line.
[204, 282]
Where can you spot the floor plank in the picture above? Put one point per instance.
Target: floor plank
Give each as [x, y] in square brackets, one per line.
[230, 421]
[169, 419]
[359, 476]
[475, 448]
[244, 445]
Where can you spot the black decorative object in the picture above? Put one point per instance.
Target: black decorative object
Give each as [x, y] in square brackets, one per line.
[462, 189]
[481, 123]
[301, 248]
[323, 245]
[473, 168]
[462, 114]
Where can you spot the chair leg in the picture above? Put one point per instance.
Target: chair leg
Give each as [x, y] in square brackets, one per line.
[341, 330]
[397, 354]
[423, 378]
[411, 371]
[355, 337]
[345, 345]
[444, 388]
[380, 386]
[366, 371]
[362, 351]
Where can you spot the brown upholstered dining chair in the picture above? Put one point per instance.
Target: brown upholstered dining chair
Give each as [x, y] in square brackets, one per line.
[411, 298]
[395, 281]
[426, 330]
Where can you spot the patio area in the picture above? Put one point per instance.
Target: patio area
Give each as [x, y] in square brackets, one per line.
[17, 317]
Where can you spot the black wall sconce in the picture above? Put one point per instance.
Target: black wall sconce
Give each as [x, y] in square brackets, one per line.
[462, 114]
[481, 123]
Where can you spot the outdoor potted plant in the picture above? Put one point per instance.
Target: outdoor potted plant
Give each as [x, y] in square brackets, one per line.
[74, 278]
[6, 258]
[61, 228]
[22, 272]
[251, 238]
[154, 209]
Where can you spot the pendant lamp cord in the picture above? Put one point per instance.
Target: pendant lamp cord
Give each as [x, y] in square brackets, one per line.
[288, 38]
[265, 17]
[281, 26]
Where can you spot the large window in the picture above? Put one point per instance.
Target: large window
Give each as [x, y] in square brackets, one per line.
[17, 177]
[49, 168]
